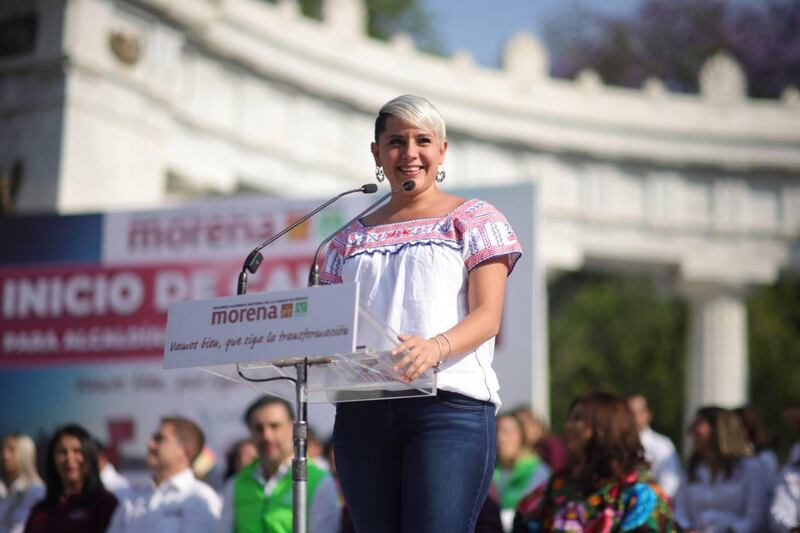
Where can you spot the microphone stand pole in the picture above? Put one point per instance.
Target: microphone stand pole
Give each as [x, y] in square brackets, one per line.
[300, 430]
[313, 273]
[254, 258]
[300, 462]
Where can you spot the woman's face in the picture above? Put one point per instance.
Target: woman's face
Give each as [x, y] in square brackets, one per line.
[509, 439]
[577, 432]
[701, 433]
[407, 152]
[69, 461]
[533, 428]
[9, 459]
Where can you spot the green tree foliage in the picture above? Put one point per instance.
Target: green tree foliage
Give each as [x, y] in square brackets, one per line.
[623, 334]
[671, 39]
[620, 334]
[774, 326]
[388, 17]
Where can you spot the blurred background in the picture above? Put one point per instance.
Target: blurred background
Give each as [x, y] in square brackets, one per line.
[661, 139]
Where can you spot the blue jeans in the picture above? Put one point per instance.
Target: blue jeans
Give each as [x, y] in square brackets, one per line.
[415, 465]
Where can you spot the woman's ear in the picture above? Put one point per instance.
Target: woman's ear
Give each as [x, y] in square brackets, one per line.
[373, 147]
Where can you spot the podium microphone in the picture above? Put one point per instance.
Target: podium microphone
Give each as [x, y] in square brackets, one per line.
[254, 258]
[313, 273]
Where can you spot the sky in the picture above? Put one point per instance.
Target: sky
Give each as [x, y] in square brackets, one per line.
[483, 26]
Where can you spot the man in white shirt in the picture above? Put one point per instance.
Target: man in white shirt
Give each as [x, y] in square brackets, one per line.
[665, 465]
[175, 501]
[260, 497]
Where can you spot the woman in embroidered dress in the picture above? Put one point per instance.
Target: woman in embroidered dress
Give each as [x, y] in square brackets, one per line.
[433, 267]
[607, 488]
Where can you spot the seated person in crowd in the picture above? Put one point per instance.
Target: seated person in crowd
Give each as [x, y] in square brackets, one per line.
[550, 448]
[260, 498]
[758, 439]
[784, 513]
[20, 485]
[724, 489]
[75, 501]
[240, 454]
[659, 452]
[785, 508]
[175, 500]
[608, 486]
[519, 470]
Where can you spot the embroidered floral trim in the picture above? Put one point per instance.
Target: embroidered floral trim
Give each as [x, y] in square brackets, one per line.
[475, 228]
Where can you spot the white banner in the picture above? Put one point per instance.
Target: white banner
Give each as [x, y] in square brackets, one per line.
[262, 327]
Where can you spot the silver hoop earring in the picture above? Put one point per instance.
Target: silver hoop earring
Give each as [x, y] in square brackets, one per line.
[379, 175]
[440, 175]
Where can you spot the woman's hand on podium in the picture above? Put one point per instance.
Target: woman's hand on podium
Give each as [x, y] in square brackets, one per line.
[418, 354]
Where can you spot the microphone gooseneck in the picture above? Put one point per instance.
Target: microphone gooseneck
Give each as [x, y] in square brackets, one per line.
[254, 258]
[313, 273]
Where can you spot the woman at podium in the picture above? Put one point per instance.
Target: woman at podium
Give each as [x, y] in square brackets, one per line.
[433, 267]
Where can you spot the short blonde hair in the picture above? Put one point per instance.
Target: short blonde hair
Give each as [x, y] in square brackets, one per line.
[26, 455]
[415, 110]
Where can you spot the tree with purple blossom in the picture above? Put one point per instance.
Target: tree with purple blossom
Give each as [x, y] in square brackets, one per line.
[671, 39]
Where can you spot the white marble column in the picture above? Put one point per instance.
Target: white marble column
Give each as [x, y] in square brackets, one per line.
[717, 367]
[540, 367]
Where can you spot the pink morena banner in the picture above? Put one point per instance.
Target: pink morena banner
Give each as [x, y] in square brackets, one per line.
[90, 313]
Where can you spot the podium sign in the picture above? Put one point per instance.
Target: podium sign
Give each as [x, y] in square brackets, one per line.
[259, 340]
[265, 326]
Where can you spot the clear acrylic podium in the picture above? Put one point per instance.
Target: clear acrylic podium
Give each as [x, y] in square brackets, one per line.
[364, 374]
[214, 335]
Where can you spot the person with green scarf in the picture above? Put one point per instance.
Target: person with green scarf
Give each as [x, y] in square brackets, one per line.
[518, 470]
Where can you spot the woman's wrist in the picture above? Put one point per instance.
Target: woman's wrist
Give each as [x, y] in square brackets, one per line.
[435, 339]
[449, 345]
[444, 341]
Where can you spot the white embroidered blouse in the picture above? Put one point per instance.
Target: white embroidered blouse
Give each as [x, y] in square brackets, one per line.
[413, 276]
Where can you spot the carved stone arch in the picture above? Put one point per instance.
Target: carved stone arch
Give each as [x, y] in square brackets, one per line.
[589, 80]
[791, 97]
[288, 9]
[654, 88]
[525, 59]
[462, 60]
[403, 42]
[722, 80]
[347, 18]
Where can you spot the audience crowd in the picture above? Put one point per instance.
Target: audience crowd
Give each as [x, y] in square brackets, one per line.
[607, 471]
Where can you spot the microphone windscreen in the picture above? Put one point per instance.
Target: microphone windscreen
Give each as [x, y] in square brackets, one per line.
[369, 188]
[409, 185]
